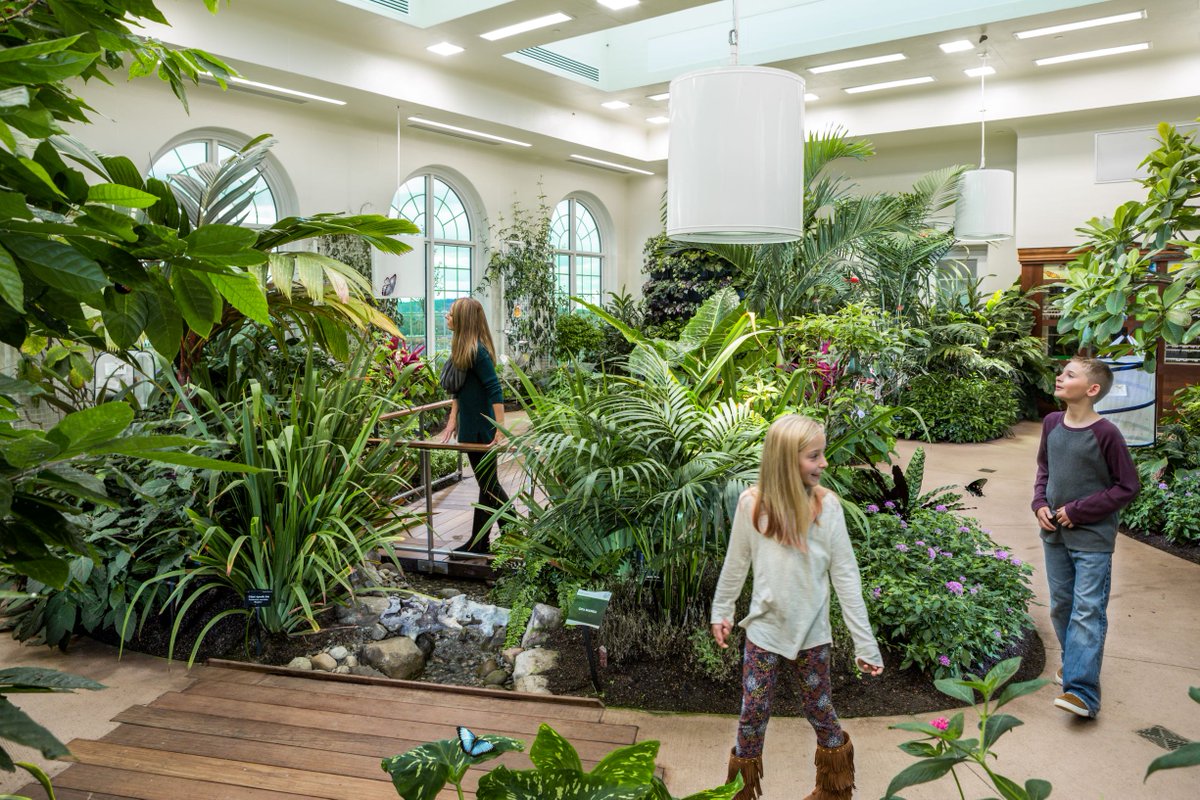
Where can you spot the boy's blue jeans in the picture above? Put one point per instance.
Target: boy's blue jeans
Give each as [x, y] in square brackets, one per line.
[1079, 586]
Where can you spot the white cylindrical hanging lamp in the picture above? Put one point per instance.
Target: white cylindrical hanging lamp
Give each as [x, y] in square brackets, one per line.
[735, 161]
[984, 211]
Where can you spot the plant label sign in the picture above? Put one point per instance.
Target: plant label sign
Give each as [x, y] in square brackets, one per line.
[587, 608]
[258, 598]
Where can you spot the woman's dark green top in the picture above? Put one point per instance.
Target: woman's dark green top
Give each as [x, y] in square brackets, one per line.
[478, 394]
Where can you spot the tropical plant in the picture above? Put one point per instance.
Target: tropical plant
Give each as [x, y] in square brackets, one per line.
[1114, 279]
[1186, 756]
[681, 278]
[942, 746]
[523, 271]
[318, 507]
[946, 408]
[578, 336]
[626, 773]
[17, 727]
[900, 492]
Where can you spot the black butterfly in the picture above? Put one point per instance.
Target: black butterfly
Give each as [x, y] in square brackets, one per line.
[472, 745]
[389, 285]
[975, 487]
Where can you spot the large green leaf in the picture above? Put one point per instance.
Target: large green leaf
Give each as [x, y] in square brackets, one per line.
[28, 450]
[198, 299]
[710, 319]
[125, 316]
[245, 294]
[922, 772]
[503, 783]
[9, 54]
[81, 430]
[12, 288]
[422, 772]
[18, 727]
[998, 725]
[164, 325]
[117, 194]
[50, 68]
[633, 764]
[1186, 756]
[551, 751]
[224, 245]
[59, 265]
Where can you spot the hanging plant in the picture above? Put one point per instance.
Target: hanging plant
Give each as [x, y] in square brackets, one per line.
[523, 270]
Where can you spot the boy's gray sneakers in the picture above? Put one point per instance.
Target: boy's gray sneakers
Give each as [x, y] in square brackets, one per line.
[1058, 676]
[1069, 702]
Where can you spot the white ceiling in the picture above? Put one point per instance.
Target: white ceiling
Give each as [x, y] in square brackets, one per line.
[378, 63]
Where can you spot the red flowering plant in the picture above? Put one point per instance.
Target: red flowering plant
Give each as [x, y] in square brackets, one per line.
[392, 362]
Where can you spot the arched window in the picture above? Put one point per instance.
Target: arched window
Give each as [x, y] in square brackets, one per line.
[433, 205]
[578, 251]
[272, 192]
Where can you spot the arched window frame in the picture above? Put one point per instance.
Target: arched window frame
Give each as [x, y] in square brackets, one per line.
[437, 300]
[569, 260]
[283, 193]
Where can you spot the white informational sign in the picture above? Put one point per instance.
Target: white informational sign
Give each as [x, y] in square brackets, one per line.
[394, 276]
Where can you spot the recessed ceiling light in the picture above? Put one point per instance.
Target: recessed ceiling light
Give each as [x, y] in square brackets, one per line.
[809, 97]
[1133, 16]
[875, 87]
[444, 49]
[487, 137]
[657, 97]
[281, 90]
[523, 27]
[616, 5]
[959, 46]
[979, 72]
[615, 105]
[658, 120]
[862, 62]
[1108, 51]
[609, 164]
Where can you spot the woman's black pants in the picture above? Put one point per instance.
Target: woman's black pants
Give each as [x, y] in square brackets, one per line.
[491, 497]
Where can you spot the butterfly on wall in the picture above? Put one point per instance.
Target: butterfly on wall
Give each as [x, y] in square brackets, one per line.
[975, 487]
[472, 745]
[389, 285]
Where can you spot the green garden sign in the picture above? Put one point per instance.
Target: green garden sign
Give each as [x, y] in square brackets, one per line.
[587, 608]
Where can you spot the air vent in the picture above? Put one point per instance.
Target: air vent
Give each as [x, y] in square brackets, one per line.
[400, 6]
[550, 58]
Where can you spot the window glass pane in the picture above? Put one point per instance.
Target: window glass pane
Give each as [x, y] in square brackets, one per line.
[224, 152]
[449, 215]
[562, 273]
[451, 280]
[587, 278]
[560, 226]
[587, 235]
[183, 159]
[410, 319]
[409, 202]
[179, 160]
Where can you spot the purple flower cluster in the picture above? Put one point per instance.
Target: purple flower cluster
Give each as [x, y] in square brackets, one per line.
[872, 509]
[944, 660]
[955, 588]
[902, 547]
[939, 507]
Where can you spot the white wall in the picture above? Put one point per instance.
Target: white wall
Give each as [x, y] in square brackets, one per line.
[338, 161]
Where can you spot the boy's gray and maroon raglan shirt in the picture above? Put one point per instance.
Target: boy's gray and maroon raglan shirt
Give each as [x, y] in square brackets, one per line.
[1090, 472]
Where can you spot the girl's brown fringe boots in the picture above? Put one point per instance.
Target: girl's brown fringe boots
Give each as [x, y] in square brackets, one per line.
[835, 772]
[751, 770]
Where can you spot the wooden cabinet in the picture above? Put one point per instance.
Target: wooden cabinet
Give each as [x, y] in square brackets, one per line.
[1178, 366]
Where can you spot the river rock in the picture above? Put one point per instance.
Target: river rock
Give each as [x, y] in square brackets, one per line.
[300, 662]
[370, 672]
[542, 620]
[398, 657]
[496, 677]
[533, 662]
[324, 662]
[351, 660]
[510, 655]
[532, 684]
[339, 653]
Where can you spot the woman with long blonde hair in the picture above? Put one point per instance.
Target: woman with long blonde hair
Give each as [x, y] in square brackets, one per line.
[792, 531]
[477, 408]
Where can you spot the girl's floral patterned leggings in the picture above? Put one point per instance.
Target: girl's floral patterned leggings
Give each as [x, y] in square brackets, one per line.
[759, 671]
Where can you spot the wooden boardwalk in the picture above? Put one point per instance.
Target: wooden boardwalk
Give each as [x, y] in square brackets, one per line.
[247, 732]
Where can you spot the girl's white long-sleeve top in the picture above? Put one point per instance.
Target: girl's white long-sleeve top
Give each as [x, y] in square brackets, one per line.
[789, 608]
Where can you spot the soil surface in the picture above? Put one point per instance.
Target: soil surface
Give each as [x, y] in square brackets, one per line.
[663, 686]
[1188, 552]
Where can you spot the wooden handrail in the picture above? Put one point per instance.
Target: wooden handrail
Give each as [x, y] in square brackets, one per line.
[408, 412]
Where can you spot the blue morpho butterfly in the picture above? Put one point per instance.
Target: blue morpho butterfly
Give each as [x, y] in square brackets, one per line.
[472, 745]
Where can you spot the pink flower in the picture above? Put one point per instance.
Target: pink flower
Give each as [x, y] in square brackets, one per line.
[955, 588]
[944, 660]
[941, 723]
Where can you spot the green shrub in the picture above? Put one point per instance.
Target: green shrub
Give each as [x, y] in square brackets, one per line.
[942, 594]
[1181, 523]
[578, 336]
[1147, 512]
[680, 280]
[958, 409]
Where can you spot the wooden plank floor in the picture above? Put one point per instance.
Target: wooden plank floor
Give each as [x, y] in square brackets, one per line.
[241, 732]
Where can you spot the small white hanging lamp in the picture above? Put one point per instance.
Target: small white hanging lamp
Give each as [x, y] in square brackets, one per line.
[735, 161]
[984, 211]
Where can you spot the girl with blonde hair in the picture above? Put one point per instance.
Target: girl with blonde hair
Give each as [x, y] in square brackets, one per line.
[791, 530]
[478, 407]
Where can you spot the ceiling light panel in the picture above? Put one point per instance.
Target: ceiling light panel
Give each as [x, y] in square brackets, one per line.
[862, 62]
[809, 97]
[875, 87]
[610, 165]
[658, 120]
[617, 5]
[525, 27]
[421, 122]
[1107, 51]
[960, 46]
[979, 72]
[444, 49]
[267, 87]
[615, 105]
[658, 97]
[1133, 16]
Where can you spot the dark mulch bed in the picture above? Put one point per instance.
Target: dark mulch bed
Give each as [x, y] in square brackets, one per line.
[1188, 552]
[665, 685]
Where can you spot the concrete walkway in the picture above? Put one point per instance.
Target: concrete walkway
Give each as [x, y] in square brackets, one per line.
[1153, 656]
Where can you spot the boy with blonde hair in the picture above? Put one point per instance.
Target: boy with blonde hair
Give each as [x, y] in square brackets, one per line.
[1084, 477]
